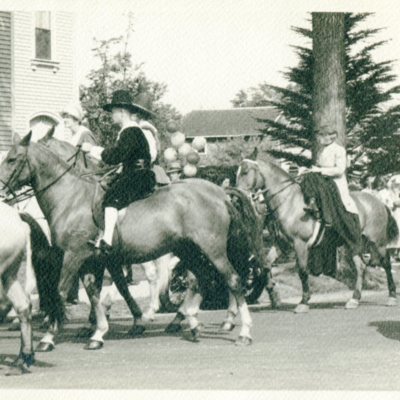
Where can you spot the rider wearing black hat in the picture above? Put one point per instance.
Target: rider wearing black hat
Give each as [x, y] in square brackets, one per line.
[136, 153]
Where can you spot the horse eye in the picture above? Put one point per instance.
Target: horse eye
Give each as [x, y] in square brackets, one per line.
[11, 160]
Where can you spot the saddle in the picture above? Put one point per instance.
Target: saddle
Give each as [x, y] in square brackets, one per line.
[97, 200]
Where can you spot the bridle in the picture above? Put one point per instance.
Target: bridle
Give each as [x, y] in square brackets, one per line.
[27, 194]
[263, 192]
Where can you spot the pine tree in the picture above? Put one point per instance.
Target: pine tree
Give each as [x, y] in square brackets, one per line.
[370, 123]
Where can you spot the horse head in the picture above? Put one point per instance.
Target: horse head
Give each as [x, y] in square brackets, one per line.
[249, 177]
[15, 170]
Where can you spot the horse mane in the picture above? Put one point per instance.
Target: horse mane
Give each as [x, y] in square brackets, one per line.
[276, 167]
[64, 164]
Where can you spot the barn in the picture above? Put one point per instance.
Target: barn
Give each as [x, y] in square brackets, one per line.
[36, 71]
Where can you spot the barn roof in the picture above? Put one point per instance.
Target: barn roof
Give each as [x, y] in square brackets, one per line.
[227, 123]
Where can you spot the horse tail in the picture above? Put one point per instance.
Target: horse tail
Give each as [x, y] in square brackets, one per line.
[245, 232]
[392, 229]
[46, 263]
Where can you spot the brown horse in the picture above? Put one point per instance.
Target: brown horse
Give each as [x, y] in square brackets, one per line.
[285, 198]
[185, 218]
[87, 165]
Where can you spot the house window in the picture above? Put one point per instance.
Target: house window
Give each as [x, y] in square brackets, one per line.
[43, 35]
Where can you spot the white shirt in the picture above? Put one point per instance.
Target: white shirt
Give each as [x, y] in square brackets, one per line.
[333, 160]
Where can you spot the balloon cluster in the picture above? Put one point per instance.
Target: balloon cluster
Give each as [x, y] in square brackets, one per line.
[183, 154]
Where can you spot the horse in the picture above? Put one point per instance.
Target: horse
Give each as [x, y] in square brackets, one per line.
[156, 271]
[14, 244]
[189, 217]
[285, 199]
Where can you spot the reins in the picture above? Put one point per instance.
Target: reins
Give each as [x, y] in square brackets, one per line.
[29, 193]
[269, 196]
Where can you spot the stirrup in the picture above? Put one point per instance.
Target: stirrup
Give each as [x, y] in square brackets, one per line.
[105, 247]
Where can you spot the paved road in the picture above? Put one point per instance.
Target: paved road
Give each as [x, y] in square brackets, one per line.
[330, 348]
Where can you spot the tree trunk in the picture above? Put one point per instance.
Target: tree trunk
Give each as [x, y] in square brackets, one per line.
[329, 96]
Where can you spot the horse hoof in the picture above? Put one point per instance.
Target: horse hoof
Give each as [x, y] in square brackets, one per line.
[352, 304]
[173, 328]
[195, 332]
[302, 309]
[94, 345]
[244, 341]
[392, 302]
[136, 330]
[44, 347]
[227, 326]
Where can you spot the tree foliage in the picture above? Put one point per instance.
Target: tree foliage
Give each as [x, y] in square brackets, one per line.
[117, 71]
[371, 119]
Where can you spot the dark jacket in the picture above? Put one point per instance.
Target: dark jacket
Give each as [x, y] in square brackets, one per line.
[136, 179]
[130, 147]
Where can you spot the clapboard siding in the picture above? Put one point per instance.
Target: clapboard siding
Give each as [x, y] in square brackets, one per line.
[5, 80]
[42, 90]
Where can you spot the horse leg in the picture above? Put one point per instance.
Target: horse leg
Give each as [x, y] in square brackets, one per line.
[90, 327]
[228, 323]
[187, 305]
[302, 264]
[118, 277]
[191, 305]
[96, 341]
[150, 270]
[272, 292]
[385, 260]
[21, 304]
[98, 271]
[233, 281]
[72, 263]
[358, 264]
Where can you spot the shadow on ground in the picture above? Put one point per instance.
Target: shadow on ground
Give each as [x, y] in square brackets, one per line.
[388, 329]
[6, 361]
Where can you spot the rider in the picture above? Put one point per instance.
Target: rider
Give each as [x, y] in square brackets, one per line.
[326, 190]
[72, 115]
[134, 151]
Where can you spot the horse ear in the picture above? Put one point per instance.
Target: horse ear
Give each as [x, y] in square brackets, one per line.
[49, 134]
[26, 139]
[254, 154]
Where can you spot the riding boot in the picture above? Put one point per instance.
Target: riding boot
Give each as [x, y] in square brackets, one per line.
[312, 208]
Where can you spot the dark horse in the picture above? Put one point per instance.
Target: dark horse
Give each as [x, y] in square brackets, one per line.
[184, 218]
[285, 199]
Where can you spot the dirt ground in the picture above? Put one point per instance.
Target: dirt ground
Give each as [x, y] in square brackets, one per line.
[328, 349]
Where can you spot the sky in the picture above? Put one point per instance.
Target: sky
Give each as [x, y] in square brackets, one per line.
[208, 50]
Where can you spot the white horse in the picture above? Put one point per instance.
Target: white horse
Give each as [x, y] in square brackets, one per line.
[14, 244]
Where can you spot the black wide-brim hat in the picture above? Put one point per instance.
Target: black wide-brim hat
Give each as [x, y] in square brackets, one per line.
[123, 99]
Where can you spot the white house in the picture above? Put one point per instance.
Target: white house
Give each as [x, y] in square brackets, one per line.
[36, 71]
